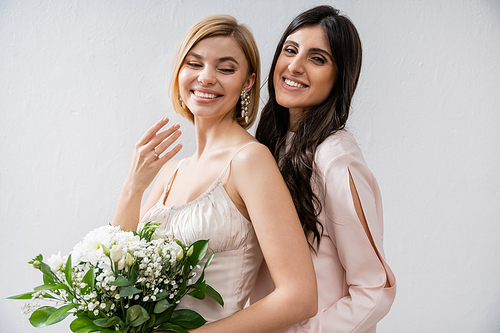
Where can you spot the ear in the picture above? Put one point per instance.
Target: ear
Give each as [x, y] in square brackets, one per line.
[249, 82]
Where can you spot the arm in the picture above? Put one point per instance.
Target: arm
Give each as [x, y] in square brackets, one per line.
[145, 166]
[259, 184]
[353, 203]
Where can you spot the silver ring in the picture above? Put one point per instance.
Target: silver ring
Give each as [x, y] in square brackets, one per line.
[156, 155]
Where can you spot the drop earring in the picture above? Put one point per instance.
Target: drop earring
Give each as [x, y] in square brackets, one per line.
[245, 101]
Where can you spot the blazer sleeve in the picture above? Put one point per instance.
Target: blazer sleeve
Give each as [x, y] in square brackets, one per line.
[370, 281]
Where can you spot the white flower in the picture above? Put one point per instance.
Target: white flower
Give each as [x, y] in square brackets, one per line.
[121, 264]
[116, 253]
[55, 262]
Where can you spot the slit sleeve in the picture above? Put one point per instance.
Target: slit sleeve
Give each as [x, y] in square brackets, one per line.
[352, 197]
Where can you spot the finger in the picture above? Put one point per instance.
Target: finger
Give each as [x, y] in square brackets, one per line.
[168, 156]
[151, 132]
[160, 137]
[163, 146]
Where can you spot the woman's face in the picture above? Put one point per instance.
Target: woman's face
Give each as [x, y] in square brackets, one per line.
[305, 71]
[212, 76]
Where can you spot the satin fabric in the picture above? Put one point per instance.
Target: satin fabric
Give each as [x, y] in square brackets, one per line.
[233, 270]
[356, 287]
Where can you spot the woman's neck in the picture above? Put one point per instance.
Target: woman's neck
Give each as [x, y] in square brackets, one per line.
[212, 134]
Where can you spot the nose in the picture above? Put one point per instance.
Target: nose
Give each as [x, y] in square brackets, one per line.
[206, 76]
[296, 66]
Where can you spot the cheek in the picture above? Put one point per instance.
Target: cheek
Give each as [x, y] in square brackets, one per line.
[278, 70]
[183, 80]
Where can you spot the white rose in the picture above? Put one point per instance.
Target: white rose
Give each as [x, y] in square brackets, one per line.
[55, 262]
[116, 253]
[160, 234]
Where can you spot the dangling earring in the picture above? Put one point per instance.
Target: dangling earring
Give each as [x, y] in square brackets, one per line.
[245, 101]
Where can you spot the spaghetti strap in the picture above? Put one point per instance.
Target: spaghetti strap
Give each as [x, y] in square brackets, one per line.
[169, 184]
[229, 163]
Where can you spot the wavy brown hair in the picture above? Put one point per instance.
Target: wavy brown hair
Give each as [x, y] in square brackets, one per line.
[323, 120]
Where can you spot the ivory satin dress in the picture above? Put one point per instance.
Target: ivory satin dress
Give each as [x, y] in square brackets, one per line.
[356, 287]
[233, 270]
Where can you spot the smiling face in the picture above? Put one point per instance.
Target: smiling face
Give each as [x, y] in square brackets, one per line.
[212, 76]
[305, 71]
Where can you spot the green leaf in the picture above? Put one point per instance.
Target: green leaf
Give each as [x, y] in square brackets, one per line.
[162, 306]
[137, 315]
[60, 314]
[68, 271]
[52, 287]
[48, 274]
[199, 250]
[187, 318]
[83, 324]
[214, 294]
[107, 322]
[162, 295]
[133, 273]
[172, 327]
[47, 279]
[22, 296]
[89, 279]
[199, 292]
[40, 316]
[165, 315]
[209, 261]
[129, 290]
[121, 281]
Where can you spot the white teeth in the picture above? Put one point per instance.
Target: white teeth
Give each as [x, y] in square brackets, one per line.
[204, 95]
[294, 84]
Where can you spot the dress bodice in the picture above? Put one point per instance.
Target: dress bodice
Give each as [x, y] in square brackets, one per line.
[214, 216]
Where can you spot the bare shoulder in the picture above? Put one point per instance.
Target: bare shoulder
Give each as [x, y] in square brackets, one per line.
[254, 166]
[255, 155]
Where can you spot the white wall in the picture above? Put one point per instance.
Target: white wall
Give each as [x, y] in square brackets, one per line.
[80, 81]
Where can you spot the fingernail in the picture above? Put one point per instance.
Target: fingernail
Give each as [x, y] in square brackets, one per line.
[176, 125]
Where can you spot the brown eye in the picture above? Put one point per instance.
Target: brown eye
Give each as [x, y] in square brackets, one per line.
[319, 60]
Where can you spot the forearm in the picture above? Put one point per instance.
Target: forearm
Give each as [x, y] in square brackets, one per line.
[271, 314]
[128, 209]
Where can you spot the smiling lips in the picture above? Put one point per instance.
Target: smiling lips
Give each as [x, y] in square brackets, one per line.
[295, 84]
[204, 95]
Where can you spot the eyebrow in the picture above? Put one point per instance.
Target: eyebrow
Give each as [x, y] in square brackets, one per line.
[221, 59]
[313, 49]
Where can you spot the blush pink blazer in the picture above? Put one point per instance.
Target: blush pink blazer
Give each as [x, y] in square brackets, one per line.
[356, 287]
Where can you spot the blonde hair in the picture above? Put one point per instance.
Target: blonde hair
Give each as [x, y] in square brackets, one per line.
[219, 25]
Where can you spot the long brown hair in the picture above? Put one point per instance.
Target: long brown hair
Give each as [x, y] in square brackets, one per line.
[323, 120]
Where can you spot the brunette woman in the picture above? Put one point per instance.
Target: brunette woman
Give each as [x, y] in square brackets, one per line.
[312, 80]
[230, 191]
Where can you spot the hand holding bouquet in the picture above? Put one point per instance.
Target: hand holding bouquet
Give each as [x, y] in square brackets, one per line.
[122, 281]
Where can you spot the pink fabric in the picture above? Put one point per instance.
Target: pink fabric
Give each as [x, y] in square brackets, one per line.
[351, 273]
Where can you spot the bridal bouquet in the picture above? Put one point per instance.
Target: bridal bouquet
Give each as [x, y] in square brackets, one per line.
[122, 281]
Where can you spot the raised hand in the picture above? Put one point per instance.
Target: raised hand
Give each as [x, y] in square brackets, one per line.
[150, 154]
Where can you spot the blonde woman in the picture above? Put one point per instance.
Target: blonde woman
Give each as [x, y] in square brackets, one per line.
[229, 191]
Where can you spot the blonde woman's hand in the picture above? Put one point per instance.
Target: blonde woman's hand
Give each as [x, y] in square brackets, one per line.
[150, 154]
